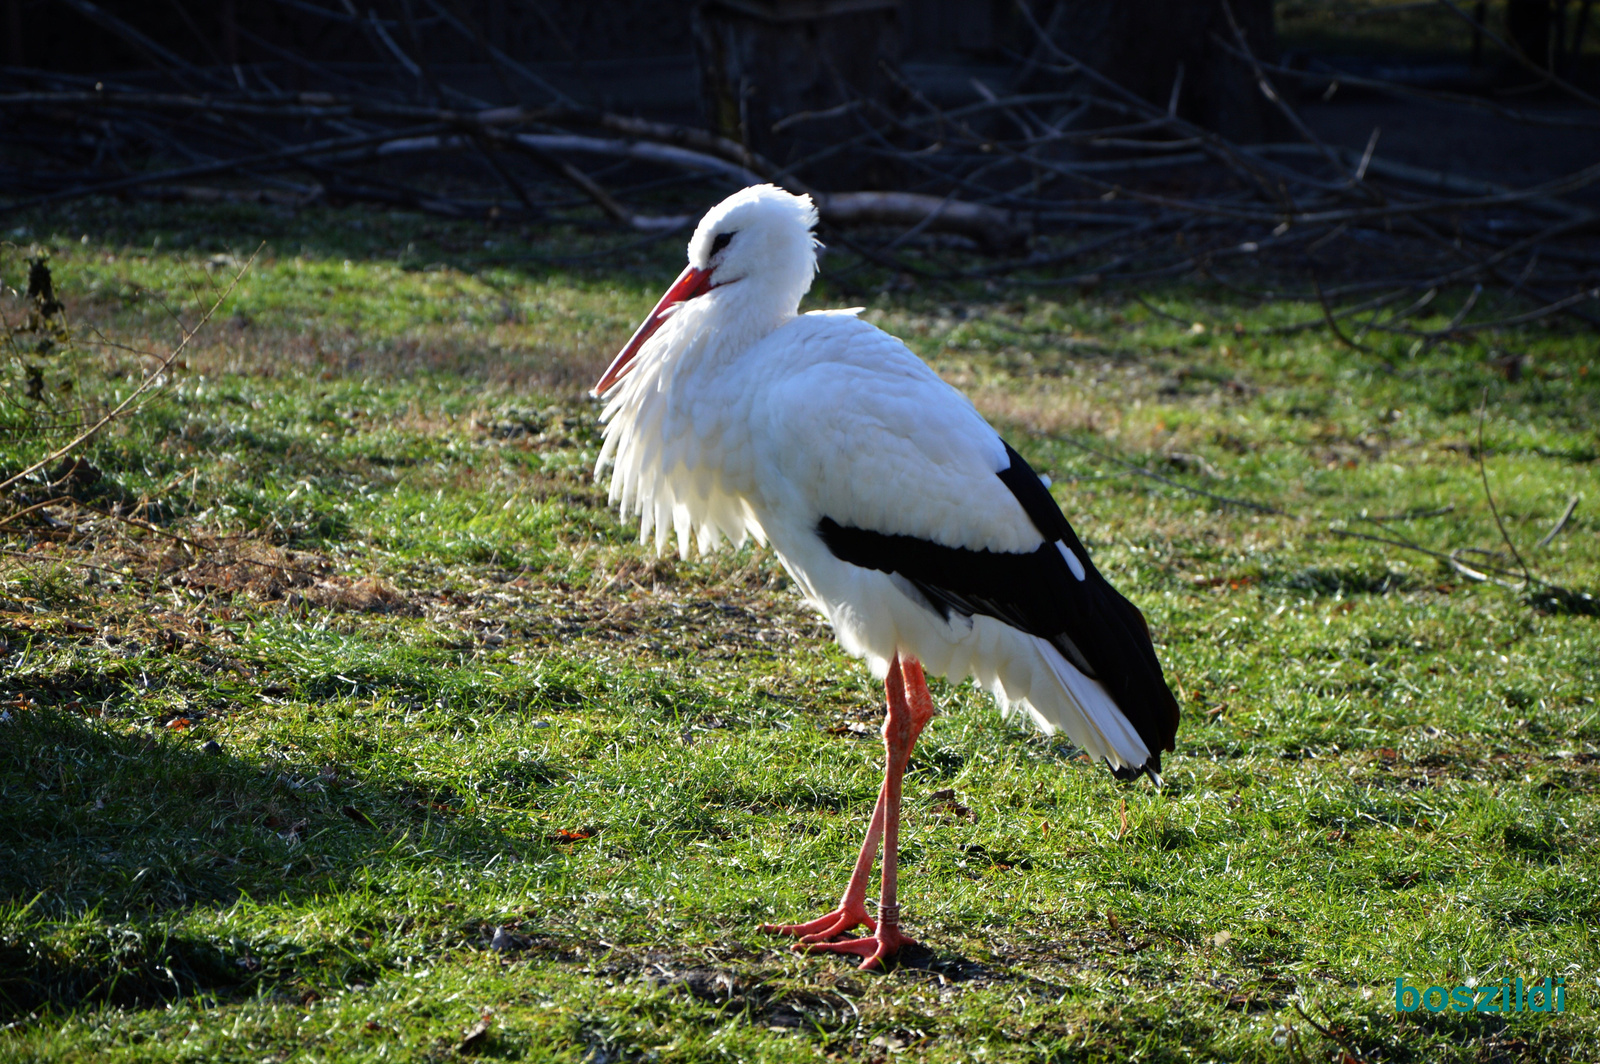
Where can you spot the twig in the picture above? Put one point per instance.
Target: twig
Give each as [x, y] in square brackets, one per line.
[1465, 309]
[1516, 55]
[1143, 471]
[1270, 91]
[1332, 322]
[1433, 179]
[498, 56]
[1567, 598]
[29, 556]
[394, 49]
[1220, 148]
[1450, 559]
[993, 229]
[672, 155]
[196, 548]
[1395, 88]
[322, 147]
[1350, 1051]
[591, 188]
[150, 379]
[171, 63]
[800, 117]
[1483, 472]
[8, 518]
[1412, 515]
[518, 189]
[1549, 537]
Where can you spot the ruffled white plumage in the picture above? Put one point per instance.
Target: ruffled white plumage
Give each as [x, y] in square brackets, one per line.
[715, 436]
[672, 446]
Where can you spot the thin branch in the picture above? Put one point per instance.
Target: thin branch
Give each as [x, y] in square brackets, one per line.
[1412, 515]
[1270, 91]
[1517, 57]
[1143, 471]
[322, 147]
[150, 380]
[1450, 559]
[1351, 1053]
[196, 548]
[1332, 322]
[1483, 472]
[1549, 537]
[8, 518]
[30, 556]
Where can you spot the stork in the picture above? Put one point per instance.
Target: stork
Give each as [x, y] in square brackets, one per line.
[903, 517]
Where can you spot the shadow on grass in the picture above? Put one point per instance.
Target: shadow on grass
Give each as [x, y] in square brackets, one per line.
[1561, 600]
[105, 837]
[123, 967]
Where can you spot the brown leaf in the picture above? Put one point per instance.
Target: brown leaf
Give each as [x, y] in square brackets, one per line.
[358, 816]
[474, 1037]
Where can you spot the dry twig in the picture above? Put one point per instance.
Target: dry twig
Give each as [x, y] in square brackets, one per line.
[152, 378]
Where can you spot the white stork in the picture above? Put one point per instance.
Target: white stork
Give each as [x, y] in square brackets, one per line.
[905, 519]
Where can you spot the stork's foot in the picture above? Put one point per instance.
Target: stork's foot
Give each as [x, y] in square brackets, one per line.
[847, 917]
[873, 949]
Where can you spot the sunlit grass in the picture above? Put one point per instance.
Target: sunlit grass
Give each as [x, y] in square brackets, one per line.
[269, 795]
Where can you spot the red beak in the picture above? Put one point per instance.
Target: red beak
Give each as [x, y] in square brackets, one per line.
[690, 283]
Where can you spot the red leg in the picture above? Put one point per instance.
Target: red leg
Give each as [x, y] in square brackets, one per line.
[910, 709]
[852, 910]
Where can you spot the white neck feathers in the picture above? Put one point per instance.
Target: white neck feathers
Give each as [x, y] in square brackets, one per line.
[676, 430]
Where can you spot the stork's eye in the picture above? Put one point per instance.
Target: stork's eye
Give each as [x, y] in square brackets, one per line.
[720, 241]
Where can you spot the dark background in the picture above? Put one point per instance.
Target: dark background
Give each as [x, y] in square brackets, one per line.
[739, 66]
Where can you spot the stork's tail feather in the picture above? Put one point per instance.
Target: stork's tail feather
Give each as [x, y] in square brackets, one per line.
[1082, 707]
[1150, 768]
[1143, 695]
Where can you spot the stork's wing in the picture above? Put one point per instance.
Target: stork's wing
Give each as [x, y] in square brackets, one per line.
[848, 423]
[897, 472]
[1054, 592]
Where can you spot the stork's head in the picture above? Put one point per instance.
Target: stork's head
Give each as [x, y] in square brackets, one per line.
[754, 251]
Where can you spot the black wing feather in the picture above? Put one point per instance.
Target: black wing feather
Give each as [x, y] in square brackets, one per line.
[1093, 625]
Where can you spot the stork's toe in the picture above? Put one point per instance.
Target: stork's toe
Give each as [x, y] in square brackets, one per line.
[883, 944]
[827, 927]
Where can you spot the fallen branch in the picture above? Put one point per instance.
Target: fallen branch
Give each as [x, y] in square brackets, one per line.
[1332, 322]
[58, 500]
[222, 166]
[994, 230]
[640, 151]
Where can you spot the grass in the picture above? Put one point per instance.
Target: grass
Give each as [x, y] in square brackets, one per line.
[406, 750]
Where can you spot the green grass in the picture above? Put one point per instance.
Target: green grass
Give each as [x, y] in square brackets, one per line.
[268, 794]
